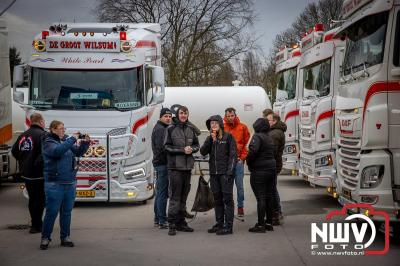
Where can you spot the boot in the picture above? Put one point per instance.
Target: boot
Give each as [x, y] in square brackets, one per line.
[257, 229]
[172, 230]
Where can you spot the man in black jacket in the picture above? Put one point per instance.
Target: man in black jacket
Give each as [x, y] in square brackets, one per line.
[180, 143]
[277, 134]
[27, 150]
[221, 147]
[160, 166]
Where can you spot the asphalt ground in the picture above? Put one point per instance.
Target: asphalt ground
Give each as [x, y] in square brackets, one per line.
[123, 234]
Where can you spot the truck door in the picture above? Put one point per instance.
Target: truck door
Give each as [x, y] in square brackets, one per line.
[394, 97]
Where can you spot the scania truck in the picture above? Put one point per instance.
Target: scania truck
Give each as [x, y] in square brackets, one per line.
[106, 80]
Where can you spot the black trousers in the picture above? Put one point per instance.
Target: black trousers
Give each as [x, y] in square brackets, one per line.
[263, 185]
[178, 191]
[222, 188]
[36, 203]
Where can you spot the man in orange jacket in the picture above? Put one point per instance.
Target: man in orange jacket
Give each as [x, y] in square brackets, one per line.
[242, 135]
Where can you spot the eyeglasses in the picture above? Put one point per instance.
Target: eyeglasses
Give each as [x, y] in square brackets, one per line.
[61, 128]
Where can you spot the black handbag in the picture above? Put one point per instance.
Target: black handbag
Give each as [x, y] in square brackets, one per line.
[204, 200]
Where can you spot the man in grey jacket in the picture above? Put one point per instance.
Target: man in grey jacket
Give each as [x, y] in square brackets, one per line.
[180, 143]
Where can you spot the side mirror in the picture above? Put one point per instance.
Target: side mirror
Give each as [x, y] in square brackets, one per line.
[18, 96]
[158, 85]
[158, 76]
[18, 76]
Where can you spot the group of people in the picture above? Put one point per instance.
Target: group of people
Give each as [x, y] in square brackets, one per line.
[175, 140]
[48, 166]
[47, 162]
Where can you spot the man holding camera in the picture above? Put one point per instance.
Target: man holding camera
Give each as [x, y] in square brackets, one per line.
[180, 143]
[60, 168]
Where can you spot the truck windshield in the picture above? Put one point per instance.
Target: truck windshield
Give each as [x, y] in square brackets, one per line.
[365, 43]
[316, 79]
[286, 86]
[87, 89]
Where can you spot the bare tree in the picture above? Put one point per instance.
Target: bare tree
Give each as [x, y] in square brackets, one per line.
[197, 35]
[323, 11]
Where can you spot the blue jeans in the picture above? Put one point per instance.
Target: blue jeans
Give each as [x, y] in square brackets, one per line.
[160, 202]
[239, 174]
[60, 198]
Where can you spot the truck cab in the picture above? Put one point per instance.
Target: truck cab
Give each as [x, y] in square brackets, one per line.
[319, 80]
[286, 103]
[106, 80]
[368, 107]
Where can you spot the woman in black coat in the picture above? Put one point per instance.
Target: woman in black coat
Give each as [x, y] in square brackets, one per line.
[262, 166]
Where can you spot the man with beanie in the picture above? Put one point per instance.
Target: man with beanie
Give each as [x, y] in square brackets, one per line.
[241, 134]
[180, 143]
[160, 166]
[221, 147]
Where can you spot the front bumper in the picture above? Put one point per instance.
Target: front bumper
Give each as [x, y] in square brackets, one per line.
[383, 192]
[322, 176]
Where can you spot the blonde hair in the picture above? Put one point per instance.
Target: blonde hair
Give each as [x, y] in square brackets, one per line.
[54, 124]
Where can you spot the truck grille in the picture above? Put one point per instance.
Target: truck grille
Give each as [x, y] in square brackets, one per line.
[306, 144]
[349, 161]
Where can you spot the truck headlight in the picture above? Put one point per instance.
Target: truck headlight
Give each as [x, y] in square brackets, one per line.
[324, 161]
[371, 176]
[134, 174]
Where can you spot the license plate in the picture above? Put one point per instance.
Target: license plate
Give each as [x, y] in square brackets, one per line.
[346, 193]
[85, 193]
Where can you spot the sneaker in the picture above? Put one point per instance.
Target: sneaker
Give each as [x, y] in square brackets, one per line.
[257, 229]
[34, 230]
[44, 243]
[188, 215]
[184, 228]
[224, 231]
[67, 242]
[214, 229]
[240, 212]
[172, 230]
[269, 227]
[156, 224]
[163, 226]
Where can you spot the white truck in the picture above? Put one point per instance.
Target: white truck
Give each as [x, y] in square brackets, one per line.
[319, 80]
[286, 104]
[368, 107]
[249, 102]
[5, 104]
[103, 79]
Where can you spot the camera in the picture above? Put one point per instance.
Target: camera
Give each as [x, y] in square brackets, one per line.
[82, 136]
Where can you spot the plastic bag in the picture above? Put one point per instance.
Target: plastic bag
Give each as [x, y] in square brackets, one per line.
[204, 200]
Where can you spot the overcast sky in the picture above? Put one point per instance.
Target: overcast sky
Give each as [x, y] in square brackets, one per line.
[28, 17]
